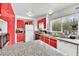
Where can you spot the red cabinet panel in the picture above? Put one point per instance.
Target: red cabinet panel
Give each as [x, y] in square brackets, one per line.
[42, 21]
[0, 8]
[53, 42]
[20, 23]
[42, 37]
[47, 40]
[28, 22]
[20, 37]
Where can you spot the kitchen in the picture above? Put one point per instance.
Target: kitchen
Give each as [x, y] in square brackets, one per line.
[50, 30]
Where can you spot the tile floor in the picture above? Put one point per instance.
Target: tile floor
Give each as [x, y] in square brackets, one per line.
[33, 48]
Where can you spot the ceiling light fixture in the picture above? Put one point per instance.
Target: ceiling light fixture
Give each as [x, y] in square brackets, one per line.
[50, 12]
[29, 13]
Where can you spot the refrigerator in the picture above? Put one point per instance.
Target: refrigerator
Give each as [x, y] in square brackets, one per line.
[29, 33]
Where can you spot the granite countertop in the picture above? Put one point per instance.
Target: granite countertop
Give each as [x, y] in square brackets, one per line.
[73, 41]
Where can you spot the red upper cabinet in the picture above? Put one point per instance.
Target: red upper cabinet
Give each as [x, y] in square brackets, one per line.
[28, 22]
[43, 20]
[20, 23]
[0, 8]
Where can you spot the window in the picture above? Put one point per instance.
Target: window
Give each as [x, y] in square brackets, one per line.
[56, 24]
[67, 25]
[70, 24]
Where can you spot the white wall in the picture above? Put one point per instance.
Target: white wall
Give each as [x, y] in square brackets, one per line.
[3, 26]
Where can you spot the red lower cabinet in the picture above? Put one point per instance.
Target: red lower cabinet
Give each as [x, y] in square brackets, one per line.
[20, 38]
[47, 40]
[42, 37]
[53, 42]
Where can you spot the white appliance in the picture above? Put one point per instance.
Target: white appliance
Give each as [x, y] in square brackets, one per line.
[29, 33]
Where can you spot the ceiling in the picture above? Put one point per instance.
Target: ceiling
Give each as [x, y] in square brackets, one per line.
[37, 9]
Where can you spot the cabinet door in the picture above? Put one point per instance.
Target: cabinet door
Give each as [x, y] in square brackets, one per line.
[20, 23]
[47, 40]
[53, 42]
[42, 37]
[20, 38]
